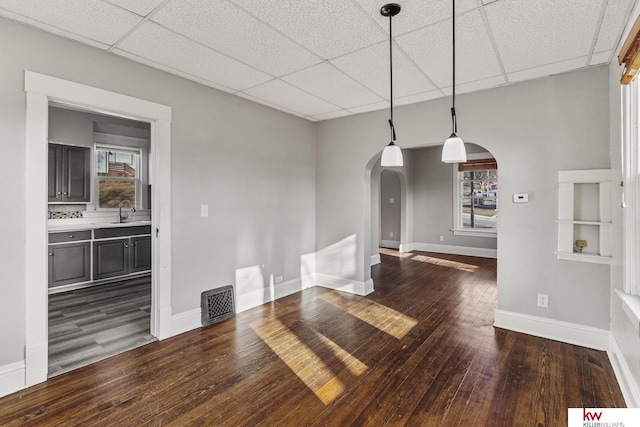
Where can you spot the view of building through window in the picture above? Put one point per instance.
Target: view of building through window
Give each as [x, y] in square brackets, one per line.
[117, 176]
[479, 198]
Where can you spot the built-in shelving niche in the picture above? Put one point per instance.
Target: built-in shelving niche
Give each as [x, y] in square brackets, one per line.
[584, 213]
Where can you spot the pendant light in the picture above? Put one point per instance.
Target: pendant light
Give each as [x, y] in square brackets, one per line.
[453, 150]
[391, 155]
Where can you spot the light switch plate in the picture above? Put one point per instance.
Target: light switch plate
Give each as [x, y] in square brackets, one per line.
[204, 210]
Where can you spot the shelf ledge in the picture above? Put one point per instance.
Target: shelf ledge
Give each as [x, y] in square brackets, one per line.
[592, 258]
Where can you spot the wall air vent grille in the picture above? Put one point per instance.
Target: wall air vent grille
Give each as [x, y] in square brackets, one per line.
[217, 305]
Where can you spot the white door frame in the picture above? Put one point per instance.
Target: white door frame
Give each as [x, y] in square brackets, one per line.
[40, 90]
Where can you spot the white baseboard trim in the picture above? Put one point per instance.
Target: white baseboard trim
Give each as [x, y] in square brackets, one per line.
[12, 378]
[375, 259]
[450, 249]
[557, 330]
[629, 387]
[345, 285]
[192, 319]
[186, 321]
[393, 244]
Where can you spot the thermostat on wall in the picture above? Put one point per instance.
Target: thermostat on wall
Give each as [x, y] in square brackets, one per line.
[521, 198]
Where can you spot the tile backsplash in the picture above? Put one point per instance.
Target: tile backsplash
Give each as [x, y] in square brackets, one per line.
[65, 211]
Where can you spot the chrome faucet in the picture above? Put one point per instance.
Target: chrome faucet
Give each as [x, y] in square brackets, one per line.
[120, 217]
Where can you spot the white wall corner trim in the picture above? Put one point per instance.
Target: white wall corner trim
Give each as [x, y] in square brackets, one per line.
[345, 285]
[450, 249]
[375, 259]
[571, 333]
[629, 387]
[631, 307]
[12, 378]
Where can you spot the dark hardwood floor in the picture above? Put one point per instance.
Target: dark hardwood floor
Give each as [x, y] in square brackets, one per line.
[420, 351]
[91, 324]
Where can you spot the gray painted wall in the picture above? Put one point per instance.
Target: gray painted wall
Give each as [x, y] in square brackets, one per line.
[390, 211]
[534, 129]
[253, 166]
[433, 201]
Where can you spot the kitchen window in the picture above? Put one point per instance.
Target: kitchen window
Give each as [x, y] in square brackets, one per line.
[117, 176]
[476, 197]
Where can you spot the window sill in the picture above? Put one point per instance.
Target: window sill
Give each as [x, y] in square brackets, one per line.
[631, 307]
[492, 234]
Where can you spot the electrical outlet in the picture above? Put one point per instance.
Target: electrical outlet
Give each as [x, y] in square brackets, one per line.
[543, 300]
[442, 238]
[391, 234]
[278, 279]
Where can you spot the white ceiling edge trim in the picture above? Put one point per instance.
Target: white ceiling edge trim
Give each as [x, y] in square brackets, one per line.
[84, 95]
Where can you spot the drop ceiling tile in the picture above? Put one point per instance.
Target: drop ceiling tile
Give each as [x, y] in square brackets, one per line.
[329, 28]
[155, 43]
[419, 97]
[431, 49]
[327, 82]
[615, 17]
[415, 13]
[530, 33]
[548, 70]
[93, 19]
[382, 105]
[284, 95]
[141, 7]
[601, 57]
[370, 66]
[332, 115]
[227, 28]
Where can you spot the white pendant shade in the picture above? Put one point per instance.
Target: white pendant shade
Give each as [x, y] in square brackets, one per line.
[391, 156]
[453, 150]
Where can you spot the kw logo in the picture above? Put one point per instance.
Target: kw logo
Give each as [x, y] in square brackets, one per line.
[591, 416]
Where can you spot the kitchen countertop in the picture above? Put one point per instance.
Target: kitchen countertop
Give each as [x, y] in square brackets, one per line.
[77, 226]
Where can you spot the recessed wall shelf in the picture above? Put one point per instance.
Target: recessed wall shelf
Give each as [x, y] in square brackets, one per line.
[584, 213]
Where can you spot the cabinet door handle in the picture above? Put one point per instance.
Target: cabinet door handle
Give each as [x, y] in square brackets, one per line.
[71, 236]
[126, 246]
[50, 253]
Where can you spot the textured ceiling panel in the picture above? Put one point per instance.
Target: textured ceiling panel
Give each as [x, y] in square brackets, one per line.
[370, 66]
[614, 18]
[431, 48]
[158, 44]
[548, 70]
[93, 19]
[327, 82]
[415, 13]
[141, 7]
[329, 28]
[227, 28]
[334, 54]
[280, 93]
[530, 33]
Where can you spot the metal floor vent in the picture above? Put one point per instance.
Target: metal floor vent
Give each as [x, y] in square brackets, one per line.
[217, 305]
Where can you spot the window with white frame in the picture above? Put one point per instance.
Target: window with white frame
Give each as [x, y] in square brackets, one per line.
[117, 175]
[631, 177]
[476, 197]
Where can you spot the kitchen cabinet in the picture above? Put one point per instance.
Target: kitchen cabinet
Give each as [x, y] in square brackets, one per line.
[69, 174]
[69, 258]
[114, 257]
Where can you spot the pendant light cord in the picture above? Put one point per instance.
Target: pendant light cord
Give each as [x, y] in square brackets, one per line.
[454, 121]
[393, 131]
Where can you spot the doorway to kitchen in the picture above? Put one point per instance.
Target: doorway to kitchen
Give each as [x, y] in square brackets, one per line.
[41, 90]
[99, 237]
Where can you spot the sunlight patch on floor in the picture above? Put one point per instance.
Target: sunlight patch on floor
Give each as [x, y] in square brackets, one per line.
[377, 315]
[445, 263]
[307, 365]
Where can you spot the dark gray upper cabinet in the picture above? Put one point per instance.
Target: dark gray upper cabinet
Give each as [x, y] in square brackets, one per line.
[69, 174]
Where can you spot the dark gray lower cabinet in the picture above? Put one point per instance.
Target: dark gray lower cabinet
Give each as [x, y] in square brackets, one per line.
[69, 263]
[119, 257]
